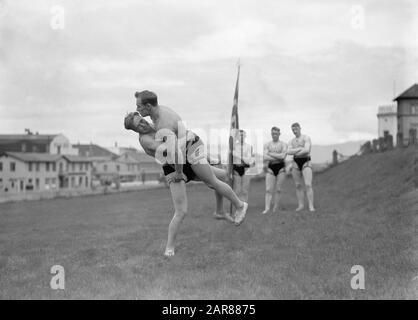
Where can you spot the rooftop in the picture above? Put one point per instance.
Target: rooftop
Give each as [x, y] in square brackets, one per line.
[411, 93]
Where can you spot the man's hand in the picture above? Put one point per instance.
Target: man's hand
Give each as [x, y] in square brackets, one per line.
[178, 176]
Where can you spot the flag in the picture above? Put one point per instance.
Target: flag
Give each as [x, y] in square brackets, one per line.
[232, 133]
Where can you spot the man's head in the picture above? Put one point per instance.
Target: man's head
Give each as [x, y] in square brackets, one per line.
[296, 129]
[275, 133]
[134, 121]
[145, 100]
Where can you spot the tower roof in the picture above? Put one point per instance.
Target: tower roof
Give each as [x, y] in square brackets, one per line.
[411, 93]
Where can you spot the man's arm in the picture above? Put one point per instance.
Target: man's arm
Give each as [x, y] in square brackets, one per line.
[149, 145]
[248, 156]
[292, 151]
[306, 149]
[279, 156]
[266, 156]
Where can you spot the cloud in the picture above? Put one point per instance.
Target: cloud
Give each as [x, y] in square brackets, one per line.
[300, 62]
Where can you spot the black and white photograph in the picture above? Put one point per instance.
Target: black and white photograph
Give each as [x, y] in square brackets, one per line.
[224, 151]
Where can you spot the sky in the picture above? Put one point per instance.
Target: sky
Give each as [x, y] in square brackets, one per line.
[72, 67]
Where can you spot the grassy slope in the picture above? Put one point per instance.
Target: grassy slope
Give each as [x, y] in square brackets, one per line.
[111, 247]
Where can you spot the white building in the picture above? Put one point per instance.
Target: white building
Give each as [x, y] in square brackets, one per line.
[387, 121]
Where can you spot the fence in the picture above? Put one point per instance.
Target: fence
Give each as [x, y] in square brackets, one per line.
[44, 195]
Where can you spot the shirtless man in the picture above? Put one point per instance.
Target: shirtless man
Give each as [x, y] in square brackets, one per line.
[189, 161]
[243, 159]
[300, 148]
[274, 154]
[134, 121]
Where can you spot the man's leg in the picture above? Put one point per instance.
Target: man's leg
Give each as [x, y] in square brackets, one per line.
[207, 175]
[307, 176]
[220, 213]
[179, 196]
[297, 177]
[278, 194]
[246, 179]
[270, 182]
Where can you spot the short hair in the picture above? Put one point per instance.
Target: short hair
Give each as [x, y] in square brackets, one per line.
[147, 97]
[275, 129]
[296, 124]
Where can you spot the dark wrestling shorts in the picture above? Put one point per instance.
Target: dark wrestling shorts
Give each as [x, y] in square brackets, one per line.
[194, 155]
[240, 168]
[276, 167]
[300, 161]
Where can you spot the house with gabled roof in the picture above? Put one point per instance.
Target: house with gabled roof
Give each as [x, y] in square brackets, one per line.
[28, 172]
[34, 142]
[407, 111]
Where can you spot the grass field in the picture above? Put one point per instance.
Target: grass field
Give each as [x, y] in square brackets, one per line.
[111, 246]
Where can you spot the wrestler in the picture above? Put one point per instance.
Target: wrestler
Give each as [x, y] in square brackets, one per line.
[189, 159]
[274, 155]
[300, 148]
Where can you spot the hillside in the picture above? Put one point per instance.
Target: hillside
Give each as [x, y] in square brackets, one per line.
[323, 153]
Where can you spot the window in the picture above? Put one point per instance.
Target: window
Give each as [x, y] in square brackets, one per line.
[30, 166]
[1, 166]
[37, 183]
[54, 166]
[118, 167]
[47, 166]
[81, 166]
[37, 166]
[105, 167]
[80, 181]
[61, 166]
[23, 147]
[12, 166]
[73, 167]
[414, 109]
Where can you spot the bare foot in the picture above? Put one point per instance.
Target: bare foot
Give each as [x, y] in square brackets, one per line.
[300, 208]
[223, 216]
[265, 211]
[219, 215]
[312, 209]
[240, 214]
[275, 209]
[169, 252]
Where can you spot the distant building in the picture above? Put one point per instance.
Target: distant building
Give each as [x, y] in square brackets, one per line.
[139, 165]
[387, 121]
[36, 143]
[74, 172]
[93, 150]
[407, 113]
[27, 172]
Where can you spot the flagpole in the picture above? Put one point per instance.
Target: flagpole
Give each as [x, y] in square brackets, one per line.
[233, 131]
